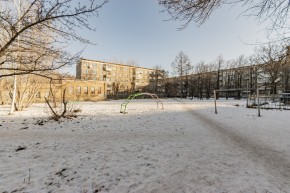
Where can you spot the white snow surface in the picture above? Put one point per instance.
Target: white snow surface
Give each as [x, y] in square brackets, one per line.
[184, 148]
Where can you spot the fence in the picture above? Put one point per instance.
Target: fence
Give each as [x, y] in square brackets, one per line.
[269, 102]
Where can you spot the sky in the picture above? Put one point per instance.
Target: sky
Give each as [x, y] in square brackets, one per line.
[137, 30]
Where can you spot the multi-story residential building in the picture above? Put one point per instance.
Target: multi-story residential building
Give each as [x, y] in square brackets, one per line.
[36, 89]
[121, 79]
[95, 80]
[233, 82]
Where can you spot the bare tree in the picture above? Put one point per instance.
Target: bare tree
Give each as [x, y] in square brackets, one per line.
[28, 89]
[272, 57]
[33, 35]
[199, 69]
[157, 80]
[277, 11]
[170, 87]
[206, 75]
[218, 64]
[286, 71]
[209, 75]
[239, 70]
[181, 67]
[186, 11]
[253, 73]
[55, 19]
[116, 88]
[64, 109]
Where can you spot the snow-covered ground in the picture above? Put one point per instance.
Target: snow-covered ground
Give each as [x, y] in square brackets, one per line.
[184, 148]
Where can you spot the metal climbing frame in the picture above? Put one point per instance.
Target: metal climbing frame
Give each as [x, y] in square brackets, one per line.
[132, 96]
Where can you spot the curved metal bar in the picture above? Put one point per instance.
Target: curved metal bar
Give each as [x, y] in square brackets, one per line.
[132, 96]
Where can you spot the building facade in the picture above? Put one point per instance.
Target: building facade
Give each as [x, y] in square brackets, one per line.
[99, 80]
[121, 80]
[232, 82]
[31, 88]
[95, 80]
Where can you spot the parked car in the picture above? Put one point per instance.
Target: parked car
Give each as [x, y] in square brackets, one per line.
[285, 98]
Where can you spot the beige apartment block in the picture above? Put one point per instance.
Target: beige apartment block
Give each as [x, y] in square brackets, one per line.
[95, 80]
[84, 90]
[38, 88]
[120, 79]
[75, 90]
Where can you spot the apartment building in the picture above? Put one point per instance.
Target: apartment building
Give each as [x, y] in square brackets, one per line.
[121, 79]
[36, 89]
[75, 90]
[95, 80]
[232, 82]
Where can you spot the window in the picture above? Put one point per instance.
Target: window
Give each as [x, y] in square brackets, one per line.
[93, 71]
[46, 93]
[38, 95]
[100, 90]
[70, 90]
[86, 90]
[93, 90]
[78, 91]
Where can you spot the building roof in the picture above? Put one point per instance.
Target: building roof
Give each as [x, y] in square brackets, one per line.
[99, 61]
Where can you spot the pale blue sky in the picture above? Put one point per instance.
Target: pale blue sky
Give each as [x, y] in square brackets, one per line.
[135, 30]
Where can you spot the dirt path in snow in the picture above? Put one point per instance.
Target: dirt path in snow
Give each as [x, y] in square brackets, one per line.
[277, 163]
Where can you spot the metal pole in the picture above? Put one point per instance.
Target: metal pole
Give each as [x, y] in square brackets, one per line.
[215, 108]
[258, 98]
[247, 93]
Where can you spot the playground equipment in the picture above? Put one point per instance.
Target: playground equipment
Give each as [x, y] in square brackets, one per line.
[132, 96]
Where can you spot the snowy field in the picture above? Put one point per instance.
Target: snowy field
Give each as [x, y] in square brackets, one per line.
[185, 148]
